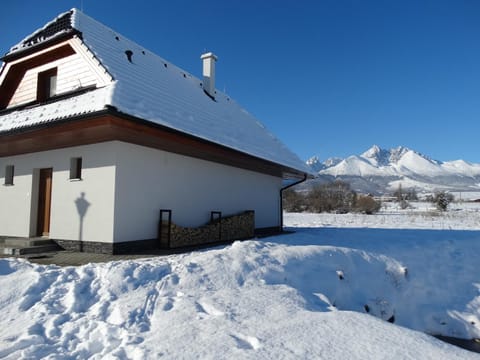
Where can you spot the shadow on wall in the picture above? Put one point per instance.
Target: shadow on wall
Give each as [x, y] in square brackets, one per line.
[82, 206]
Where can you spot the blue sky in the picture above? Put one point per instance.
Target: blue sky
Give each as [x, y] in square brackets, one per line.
[328, 77]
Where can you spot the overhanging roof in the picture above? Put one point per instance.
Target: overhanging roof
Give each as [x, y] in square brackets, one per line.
[152, 89]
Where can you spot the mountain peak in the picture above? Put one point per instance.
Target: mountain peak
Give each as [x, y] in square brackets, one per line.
[313, 160]
[373, 151]
[332, 161]
[397, 153]
[315, 164]
[377, 156]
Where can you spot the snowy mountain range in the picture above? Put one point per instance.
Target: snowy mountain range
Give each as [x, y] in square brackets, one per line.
[381, 171]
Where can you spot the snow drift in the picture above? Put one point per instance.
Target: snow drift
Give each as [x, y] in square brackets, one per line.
[323, 292]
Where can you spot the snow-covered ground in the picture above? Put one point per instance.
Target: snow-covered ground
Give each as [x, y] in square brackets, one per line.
[419, 215]
[323, 292]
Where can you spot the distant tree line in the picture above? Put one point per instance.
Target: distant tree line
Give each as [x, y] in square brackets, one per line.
[336, 197]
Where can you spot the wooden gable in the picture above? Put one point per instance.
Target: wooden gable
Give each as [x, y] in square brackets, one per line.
[76, 69]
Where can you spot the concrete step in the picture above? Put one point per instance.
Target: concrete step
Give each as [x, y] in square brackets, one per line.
[24, 246]
[27, 242]
[30, 250]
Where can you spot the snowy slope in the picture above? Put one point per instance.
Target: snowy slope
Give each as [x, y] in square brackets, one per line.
[381, 171]
[355, 166]
[302, 295]
[462, 167]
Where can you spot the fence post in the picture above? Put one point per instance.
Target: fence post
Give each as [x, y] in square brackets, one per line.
[164, 236]
[217, 215]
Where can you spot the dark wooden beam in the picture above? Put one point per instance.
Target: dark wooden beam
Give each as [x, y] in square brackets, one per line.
[106, 126]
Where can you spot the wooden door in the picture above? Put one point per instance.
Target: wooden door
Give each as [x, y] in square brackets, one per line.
[44, 202]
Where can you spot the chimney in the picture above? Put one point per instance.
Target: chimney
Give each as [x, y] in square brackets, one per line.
[209, 73]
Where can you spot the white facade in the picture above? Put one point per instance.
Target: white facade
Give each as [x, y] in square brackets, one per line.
[122, 189]
[148, 180]
[19, 202]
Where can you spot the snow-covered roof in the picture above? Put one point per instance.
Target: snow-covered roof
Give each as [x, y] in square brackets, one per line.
[153, 89]
[82, 104]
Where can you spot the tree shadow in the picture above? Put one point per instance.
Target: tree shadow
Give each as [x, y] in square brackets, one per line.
[82, 206]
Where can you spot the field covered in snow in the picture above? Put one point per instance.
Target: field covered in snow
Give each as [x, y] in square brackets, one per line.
[324, 291]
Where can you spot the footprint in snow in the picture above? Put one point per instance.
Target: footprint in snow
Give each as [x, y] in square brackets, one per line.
[35, 293]
[168, 305]
[142, 315]
[208, 309]
[246, 342]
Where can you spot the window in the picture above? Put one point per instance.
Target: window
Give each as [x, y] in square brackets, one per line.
[47, 84]
[76, 168]
[9, 170]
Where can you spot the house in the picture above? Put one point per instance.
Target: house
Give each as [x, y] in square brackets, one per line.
[107, 147]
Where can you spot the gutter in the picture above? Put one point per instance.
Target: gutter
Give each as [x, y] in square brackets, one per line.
[305, 177]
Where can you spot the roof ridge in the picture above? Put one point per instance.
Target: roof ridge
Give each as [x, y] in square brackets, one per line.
[59, 25]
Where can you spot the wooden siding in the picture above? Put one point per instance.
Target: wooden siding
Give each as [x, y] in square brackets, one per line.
[73, 72]
[13, 72]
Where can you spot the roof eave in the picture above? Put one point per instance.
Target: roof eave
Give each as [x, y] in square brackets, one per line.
[286, 171]
[204, 149]
[289, 174]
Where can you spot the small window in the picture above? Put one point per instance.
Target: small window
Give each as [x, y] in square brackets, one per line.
[9, 171]
[47, 84]
[75, 168]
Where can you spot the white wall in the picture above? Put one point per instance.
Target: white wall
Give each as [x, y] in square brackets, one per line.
[148, 180]
[18, 202]
[15, 200]
[131, 183]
